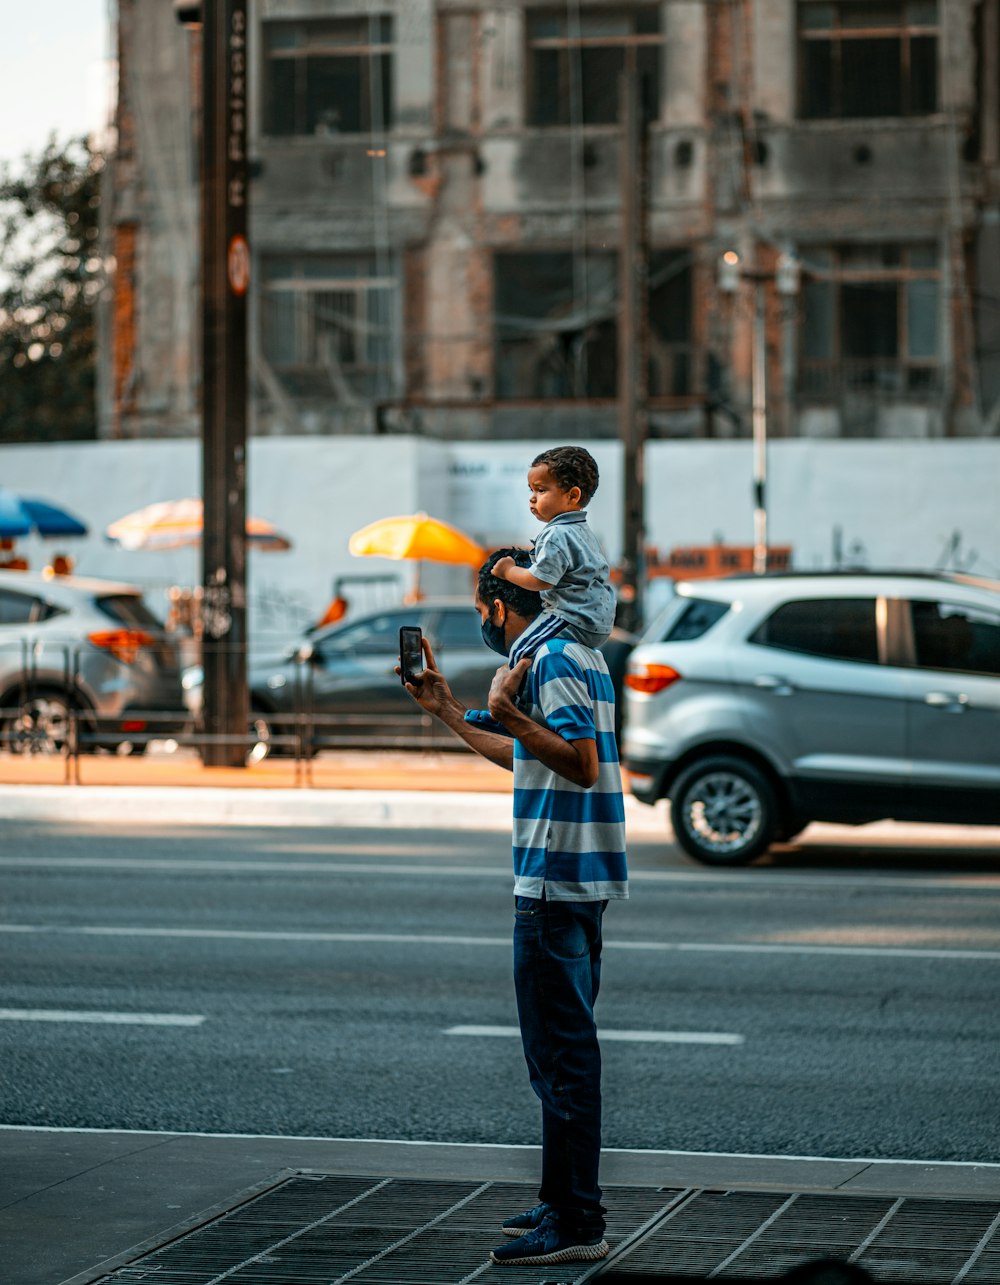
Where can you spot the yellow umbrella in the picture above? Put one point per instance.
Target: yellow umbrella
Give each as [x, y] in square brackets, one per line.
[415, 538]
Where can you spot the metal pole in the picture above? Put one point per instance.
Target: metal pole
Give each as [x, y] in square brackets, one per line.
[632, 341]
[225, 278]
[759, 399]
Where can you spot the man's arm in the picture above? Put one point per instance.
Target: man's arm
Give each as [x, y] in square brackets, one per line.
[575, 760]
[431, 692]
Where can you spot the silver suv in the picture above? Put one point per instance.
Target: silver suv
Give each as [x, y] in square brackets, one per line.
[89, 651]
[759, 704]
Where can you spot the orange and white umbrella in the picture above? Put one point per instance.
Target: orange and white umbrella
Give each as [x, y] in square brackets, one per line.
[178, 524]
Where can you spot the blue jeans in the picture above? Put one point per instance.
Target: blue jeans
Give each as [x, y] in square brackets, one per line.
[557, 974]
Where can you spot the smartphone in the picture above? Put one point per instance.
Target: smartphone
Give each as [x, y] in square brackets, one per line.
[411, 653]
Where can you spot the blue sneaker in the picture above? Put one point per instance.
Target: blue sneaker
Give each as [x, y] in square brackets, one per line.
[548, 1244]
[528, 1221]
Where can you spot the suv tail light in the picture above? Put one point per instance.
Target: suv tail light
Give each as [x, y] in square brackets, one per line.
[123, 644]
[650, 679]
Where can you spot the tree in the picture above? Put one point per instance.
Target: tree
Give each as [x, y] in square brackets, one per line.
[51, 275]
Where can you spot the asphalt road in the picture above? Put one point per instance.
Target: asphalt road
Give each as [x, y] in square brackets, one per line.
[839, 1000]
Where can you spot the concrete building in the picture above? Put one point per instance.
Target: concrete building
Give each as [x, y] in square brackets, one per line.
[436, 218]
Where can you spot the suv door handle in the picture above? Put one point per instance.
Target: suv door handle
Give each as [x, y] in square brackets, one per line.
[949, 702]
[771, 683]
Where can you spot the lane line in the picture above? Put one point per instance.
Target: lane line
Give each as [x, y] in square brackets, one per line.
[99, 1018]
[763, 878]
[445, 939]
[622, 1037]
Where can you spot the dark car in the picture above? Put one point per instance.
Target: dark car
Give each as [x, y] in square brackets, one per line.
[339, 689]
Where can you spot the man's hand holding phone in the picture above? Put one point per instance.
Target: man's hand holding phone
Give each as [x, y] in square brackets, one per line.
[411, 653]
[426, 685]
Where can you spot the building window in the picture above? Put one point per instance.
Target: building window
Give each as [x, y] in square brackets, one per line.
[328, 77]
[867, 59]
[575, 61]
[330, 326]
[870, 320]
[556, 325]
[671, 324]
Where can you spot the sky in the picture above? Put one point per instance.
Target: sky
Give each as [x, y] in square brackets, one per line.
[54, 72]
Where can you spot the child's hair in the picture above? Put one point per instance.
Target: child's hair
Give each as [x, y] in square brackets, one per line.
[571, 466]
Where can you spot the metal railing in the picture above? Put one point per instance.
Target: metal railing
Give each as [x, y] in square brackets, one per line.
[48, 708]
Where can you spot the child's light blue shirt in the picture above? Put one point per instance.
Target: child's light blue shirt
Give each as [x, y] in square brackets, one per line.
[567, 556]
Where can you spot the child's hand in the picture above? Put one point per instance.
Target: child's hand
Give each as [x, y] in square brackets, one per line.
[502, 566]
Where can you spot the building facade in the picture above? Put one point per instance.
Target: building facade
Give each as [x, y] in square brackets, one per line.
[437, 222]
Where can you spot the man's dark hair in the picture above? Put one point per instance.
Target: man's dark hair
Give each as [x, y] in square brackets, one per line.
[572, 466]
[526, 602]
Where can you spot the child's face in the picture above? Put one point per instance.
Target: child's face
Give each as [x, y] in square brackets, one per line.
[547, 499]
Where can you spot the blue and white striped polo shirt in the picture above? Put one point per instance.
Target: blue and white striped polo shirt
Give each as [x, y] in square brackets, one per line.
[570, 842]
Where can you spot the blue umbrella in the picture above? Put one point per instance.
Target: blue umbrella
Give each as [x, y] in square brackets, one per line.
[21, 516]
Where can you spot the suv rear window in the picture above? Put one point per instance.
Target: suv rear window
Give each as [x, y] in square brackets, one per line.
[836, 628]
[128, 609]
[685, 619]
[25, 609]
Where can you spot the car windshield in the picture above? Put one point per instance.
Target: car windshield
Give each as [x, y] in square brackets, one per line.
[128, 609]
[377, 636]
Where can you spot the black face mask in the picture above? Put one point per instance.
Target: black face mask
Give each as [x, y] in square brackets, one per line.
[493, 637]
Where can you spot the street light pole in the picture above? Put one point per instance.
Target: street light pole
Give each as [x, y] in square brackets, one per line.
[786, 280]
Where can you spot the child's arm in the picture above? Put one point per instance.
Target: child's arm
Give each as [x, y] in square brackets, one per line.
[507, 569]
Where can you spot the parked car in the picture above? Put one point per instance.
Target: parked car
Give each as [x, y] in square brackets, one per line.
[338, 687]
[760, 704]
[93, 648]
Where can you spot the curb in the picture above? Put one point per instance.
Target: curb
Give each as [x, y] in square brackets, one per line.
[242, 806]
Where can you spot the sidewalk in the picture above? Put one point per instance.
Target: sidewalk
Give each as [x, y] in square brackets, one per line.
[78, 1205]
[335, 770]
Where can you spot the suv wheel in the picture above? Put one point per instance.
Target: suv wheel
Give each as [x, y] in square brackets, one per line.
[724, 811]
[40, 724]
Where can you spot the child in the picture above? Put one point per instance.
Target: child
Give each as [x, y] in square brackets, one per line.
[568, 566]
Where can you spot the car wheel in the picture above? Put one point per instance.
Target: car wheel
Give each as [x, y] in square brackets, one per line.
[724, 811]
[39, 725]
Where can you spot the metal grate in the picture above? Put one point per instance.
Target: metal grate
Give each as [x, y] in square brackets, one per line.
[318, 1229]
[322, 1229]
[741, 1235]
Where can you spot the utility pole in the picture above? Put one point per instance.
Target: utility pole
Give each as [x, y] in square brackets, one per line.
[758, 399]
[225, 276]
[633, 338]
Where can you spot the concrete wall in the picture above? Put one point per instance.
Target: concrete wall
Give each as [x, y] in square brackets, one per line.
[898, 504]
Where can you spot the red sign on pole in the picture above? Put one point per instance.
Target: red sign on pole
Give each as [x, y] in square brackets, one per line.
[238, 265]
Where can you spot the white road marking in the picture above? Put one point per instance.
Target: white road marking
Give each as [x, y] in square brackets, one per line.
[763, 877]
[445, 939]
[623, 1037]
[99, 1018]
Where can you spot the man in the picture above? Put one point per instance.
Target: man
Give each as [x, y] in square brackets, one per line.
[569, 861]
